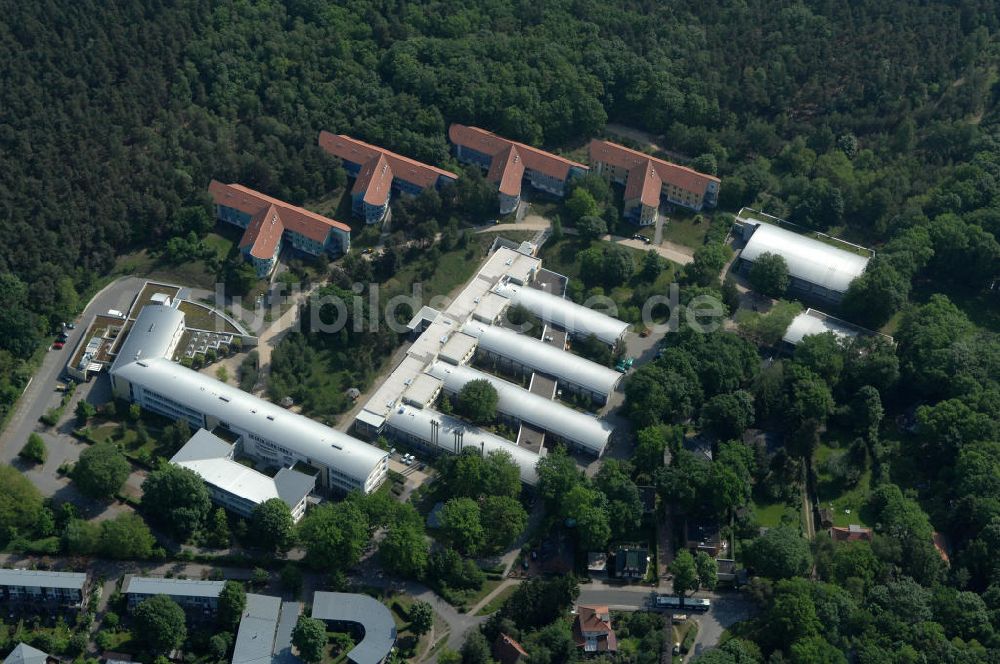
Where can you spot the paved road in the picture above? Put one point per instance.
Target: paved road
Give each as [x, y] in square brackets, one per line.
[41, 394]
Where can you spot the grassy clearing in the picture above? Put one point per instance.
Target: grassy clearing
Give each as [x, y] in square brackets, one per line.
[771, 515]
[687, 231]
[494, 604]
[847, 503]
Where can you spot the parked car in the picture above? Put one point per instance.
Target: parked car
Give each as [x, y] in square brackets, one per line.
[61, 387]
[71, 326]
[679, 618]
[58, 345]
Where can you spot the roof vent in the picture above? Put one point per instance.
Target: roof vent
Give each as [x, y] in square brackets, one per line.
[270, 417]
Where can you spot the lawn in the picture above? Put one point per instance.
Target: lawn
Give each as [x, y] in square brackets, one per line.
[687, 231]
[409, 643]
[494, 604]
[200, 317]
[771, 515]
[847, 503]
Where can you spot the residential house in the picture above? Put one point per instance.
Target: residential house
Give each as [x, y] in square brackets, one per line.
[649, 181]
[508, 164]
[592, 630]
[378, 173]
[508, 651]
[704, 536]
[31, 586]
[631, 561]
[853, 533]
[271, 224]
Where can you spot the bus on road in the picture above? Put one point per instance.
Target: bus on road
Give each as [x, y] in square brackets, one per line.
[672, 602]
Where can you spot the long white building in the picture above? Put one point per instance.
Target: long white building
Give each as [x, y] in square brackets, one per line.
[144, 374]
[518, 404]
[579, 321]
[439, 432]
[817, 269]
[516, 352]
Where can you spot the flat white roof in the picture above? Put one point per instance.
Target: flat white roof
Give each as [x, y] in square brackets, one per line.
[584, 430]
[420, 423]
[210, 457]
[459, 346]
[572, 317]
[808, 259]
[422, 390]
[246, 412]
[148, 585]
[36, 578]
[259, 622]
[811, 322]
[540, 356]
[391, 390]
[490, 307]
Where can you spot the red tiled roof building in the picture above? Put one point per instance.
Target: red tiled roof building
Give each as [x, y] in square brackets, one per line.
[853, 533]
[508, 651]
[269, 223]
[592, 629]
[378, 173]
[509, 163]
[649, 180]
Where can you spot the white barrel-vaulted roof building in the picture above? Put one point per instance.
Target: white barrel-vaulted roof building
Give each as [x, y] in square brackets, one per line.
[575, 428]
[816, 268]
[437, 431]
[144, 374]
[576, 319]
[572, 371]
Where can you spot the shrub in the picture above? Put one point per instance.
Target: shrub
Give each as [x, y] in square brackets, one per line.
[34, 450]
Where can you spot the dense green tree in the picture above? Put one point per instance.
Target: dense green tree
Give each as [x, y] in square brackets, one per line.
[538, 602]
[708, 570]
[101, 470]
[591, 227]
[84, 411]
[421, 617]
[624, 506]
[685, 572]
[125, 537]
[309, 636]
[873, 298]
[271, 525]
[34, 450]
[503, 519]
[158, 623]
[769, 275]
[334, 535]
[580, 204]
[404, 550]
[217, 529]
[177, 498]
[461, 525]
[727, 415]
[477, 401]
[232, 602]
[476, 650]
[708, 262]
[780, 553]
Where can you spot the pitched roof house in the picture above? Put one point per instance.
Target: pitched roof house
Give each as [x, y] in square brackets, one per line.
[648, 180]
[592, 629]
[853, 533]
[378, 172]
[507, 650]
[268, 222]
[508, 163]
